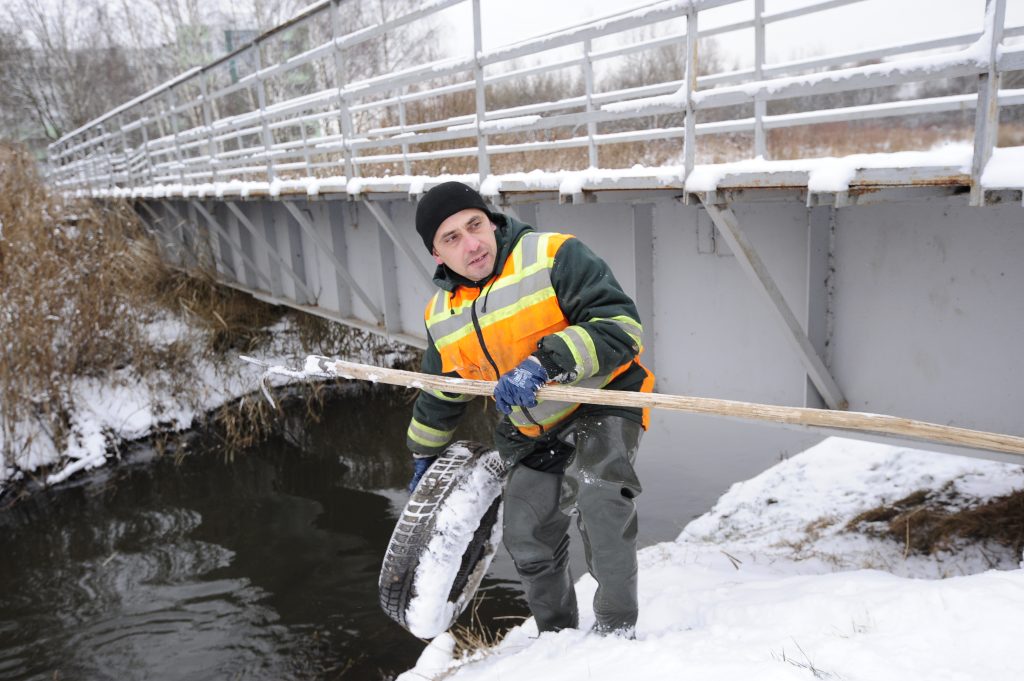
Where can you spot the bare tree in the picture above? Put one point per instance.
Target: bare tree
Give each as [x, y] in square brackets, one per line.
[67, 62]
[60, 68]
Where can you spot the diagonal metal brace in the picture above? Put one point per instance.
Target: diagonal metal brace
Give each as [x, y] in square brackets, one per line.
[747, 257]
[170, 239]
[234, 243]
[310, 230]
[193, 253]
[389, 228]
[272, 253]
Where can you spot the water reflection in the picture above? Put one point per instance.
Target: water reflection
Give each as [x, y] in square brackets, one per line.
[263, 568]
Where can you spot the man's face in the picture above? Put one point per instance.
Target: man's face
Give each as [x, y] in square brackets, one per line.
[465, 242]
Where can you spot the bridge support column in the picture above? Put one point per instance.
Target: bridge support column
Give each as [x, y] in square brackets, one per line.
[336, 218]
[234, 228]
[820, 278]
[221, 255]
[189, 241]
[267, 220]
[388, 275]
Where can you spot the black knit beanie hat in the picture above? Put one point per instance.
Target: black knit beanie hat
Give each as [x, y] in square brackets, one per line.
[440, 203]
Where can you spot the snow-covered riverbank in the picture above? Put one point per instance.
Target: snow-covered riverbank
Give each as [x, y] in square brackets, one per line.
[770, 585]
[114, 409]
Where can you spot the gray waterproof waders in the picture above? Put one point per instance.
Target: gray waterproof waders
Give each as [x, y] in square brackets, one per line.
[602, 488]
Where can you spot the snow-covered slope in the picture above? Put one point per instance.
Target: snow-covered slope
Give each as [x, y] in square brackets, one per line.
[768, 585]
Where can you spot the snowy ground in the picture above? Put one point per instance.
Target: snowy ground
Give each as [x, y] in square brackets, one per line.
[767, 585]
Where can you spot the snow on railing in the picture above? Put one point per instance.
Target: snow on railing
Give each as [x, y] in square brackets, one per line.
[204, 128]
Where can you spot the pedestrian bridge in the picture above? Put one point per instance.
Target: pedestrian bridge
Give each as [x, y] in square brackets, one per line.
[887, 282]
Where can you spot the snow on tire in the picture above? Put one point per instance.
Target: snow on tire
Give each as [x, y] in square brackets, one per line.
[444, 540]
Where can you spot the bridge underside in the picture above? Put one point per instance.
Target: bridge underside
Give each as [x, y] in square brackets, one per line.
[903, 301]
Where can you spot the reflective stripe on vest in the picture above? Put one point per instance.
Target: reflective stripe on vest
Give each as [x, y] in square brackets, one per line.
[514, 312]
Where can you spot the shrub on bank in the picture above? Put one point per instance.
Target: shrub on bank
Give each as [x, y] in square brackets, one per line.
[67, 307]
[87, 307]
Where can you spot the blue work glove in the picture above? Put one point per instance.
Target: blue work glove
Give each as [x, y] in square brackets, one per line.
[519, 386]
[420, 464]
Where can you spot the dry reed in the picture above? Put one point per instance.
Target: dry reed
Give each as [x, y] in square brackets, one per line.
[67, 271]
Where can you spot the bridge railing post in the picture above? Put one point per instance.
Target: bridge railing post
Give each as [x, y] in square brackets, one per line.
[75, 167]
[690, 134]
[261, 103]
[161, 127]
[406, 165]
[52, 162]
[760, 106]
[96, 154]
[483, 161]
[340, 81]
[211, 144]
[144, 124]
[92, 159]
[128, 177]
[173, 120]
[986, 118]
[588, 80]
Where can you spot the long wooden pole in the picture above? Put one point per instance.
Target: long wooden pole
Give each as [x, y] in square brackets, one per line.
[852, 421]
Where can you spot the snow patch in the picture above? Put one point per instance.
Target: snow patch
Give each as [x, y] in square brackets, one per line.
[434, 659]
[1005, 170]
[832, 174]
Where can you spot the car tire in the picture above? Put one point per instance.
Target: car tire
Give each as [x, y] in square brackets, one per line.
[444, 540]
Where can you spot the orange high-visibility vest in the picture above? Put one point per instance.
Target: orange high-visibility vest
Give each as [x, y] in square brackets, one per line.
[481, 333]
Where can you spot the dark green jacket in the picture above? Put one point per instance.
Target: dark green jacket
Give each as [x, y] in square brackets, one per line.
[586, 290]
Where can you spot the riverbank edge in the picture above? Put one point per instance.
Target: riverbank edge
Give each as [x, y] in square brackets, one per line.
[114, 413]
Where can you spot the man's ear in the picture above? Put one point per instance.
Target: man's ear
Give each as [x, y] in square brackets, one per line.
[437, 258]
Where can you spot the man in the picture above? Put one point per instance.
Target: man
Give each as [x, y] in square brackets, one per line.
[526, 308]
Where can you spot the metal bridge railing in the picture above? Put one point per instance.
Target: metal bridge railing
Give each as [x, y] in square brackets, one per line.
[305, 107]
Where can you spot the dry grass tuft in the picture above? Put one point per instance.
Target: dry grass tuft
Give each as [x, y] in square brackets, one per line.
[323, 337]
[476, 636]
[244, 423]
[929, 521]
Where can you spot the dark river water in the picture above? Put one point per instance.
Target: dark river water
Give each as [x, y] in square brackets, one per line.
[263, 567]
